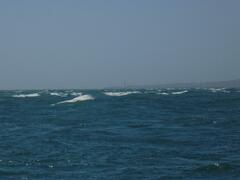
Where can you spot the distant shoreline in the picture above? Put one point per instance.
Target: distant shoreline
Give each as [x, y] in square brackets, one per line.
[213, 84]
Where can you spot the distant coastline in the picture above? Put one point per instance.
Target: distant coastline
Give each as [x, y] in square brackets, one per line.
[211, 84]
[214, 84]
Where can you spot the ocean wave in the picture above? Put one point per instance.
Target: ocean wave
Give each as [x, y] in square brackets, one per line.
[26, 95]
[58, 94]
[121, 93]
[216, 90]
[179, 92]
[76, 94]
[163, 93]
[147, 91]
[78, 99]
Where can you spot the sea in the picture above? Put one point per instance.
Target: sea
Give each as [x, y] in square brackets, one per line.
[120, 134]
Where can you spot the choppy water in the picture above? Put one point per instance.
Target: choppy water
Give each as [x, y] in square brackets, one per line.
[125, 134]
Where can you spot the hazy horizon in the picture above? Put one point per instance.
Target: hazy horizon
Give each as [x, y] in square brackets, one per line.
[97, 44]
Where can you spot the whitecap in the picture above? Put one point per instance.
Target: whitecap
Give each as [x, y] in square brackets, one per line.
[26, 95]
[76, 93]
[54, 94]
[58, 94]
[179, 92]
[215, 90]
[163, 93]
[78, 99]
[121, 93]
[216, 164]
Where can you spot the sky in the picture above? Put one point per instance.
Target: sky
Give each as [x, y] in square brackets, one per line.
[51, 44]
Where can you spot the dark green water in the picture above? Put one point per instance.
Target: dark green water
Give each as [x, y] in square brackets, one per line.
[148, 134]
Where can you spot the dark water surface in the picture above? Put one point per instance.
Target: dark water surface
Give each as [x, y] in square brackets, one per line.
[149, 134]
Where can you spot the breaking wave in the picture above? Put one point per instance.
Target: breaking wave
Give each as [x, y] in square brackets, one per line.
[216, 90]
[163, 93]
[179, 92]
[78, 99]
[58, 94]
[121, 93]
[26, 95]
[76, 94]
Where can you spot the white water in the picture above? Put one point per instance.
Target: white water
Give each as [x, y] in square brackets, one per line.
[78, 99]
[163, 93]
[215, 90]
[58, 94]
[179, 92]
[76, 93]
[121, 93]
[26, 95]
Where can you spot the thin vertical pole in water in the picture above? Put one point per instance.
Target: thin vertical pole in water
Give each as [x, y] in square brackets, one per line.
[124, 84]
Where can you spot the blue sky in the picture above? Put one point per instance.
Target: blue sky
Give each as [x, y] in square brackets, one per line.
[94, 44]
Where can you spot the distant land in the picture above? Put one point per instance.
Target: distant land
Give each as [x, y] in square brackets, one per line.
[216, 84]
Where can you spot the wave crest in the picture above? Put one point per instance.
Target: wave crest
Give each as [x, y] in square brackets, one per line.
[58, 94]
[78, 99]
[26, 95]
[215, 90]
[76, 94]
[163, 93]
[179, 92]
[121, 93]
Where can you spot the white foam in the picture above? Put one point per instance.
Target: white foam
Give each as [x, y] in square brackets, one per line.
[58, 94]
[54, 94]
[215, 90]
[163, 93]
[26, 95]
[216, 164]
[76, 93]
[121, 93]
[78, 99]
[179, 92]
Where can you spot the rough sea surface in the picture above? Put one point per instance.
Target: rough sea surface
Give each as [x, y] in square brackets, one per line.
[120, 134]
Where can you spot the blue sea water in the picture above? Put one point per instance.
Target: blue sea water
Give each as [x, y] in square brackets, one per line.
[120, 134]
